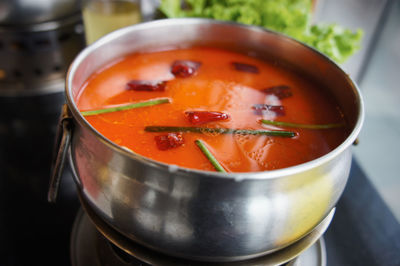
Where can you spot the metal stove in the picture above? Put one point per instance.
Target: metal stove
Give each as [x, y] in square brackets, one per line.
[38, 41]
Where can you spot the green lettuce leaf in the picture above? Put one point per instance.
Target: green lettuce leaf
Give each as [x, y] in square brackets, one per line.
[291, 17]
[333, 40]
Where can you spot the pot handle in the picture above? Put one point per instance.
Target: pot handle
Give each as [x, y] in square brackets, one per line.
[63, 140]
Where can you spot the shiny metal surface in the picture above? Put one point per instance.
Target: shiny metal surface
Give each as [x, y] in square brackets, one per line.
[313, 256]
[22, 12]
[207, 215]
[91, 240]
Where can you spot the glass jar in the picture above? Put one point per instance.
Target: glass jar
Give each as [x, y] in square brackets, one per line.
[104, 16]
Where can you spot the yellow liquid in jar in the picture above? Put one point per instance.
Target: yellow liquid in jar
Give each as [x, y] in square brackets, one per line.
[102, 17]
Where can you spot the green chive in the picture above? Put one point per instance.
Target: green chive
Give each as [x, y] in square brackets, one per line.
[126, 106]
[209, 156]
[219, 131]
[287, 124]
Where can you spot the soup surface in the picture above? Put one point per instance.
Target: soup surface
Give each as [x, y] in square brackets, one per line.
[212, 88]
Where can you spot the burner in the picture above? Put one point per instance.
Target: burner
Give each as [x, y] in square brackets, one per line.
[35, 57]
[94, 242]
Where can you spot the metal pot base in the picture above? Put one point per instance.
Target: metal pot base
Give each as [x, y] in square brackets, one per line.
[310, 250]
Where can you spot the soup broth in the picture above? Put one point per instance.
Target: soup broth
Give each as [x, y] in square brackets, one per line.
[207, 88]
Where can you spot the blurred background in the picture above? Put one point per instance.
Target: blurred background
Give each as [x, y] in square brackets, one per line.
[376, 69]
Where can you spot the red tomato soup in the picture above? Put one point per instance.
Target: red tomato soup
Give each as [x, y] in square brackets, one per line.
[208, 89]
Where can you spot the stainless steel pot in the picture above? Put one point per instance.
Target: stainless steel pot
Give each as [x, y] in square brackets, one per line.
[199, 214]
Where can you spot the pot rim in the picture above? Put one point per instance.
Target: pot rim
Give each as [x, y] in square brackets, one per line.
[237, 176]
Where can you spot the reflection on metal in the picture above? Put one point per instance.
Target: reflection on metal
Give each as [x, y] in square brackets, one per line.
[309, 251]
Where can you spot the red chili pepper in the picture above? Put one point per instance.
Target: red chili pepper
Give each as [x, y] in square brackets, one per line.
[169, 141]
[202, 117]
[184, 68]
[259, 109]
[146, 85]
[281, 91]
[245, 67]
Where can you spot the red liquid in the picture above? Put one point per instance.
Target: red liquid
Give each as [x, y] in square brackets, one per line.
[219, 87]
